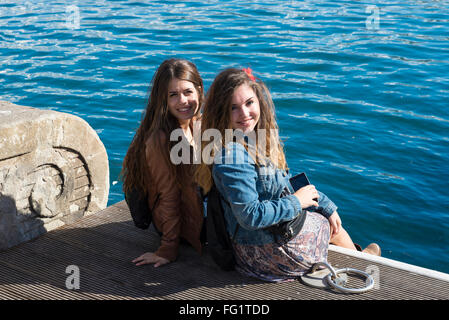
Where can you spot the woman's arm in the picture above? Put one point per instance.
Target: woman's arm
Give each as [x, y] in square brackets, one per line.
[235, 176]
[324, 206]
[167, 214]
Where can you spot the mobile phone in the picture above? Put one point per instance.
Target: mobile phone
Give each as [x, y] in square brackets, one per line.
[299, 181]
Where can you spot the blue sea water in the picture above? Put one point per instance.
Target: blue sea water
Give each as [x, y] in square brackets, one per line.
[361, 91]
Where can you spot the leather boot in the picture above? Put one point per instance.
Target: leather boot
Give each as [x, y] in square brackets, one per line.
[372, 248]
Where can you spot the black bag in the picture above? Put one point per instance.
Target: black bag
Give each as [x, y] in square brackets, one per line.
[138, 206]
[218, 241]
[287, 230]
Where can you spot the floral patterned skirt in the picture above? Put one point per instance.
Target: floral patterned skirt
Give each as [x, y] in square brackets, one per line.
[273, 262]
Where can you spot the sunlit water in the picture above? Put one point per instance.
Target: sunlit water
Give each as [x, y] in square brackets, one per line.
[361, 91]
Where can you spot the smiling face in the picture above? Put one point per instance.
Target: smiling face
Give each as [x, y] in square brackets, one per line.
[182, 100]
[245, 109]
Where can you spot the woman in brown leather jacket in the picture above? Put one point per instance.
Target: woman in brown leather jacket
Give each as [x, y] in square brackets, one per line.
[176, 97]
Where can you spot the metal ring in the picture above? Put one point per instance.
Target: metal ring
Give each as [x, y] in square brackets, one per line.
[329, 278]
[326, 265]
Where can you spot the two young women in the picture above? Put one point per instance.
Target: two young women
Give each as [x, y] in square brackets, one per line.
[250, 180]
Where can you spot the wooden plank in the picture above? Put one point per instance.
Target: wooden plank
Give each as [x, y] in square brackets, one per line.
[102, 245]
[24, 285]
[49, 271]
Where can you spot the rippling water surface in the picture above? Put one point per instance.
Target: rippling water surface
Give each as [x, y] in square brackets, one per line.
[361, 91]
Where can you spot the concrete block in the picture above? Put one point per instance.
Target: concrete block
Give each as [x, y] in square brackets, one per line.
[53, 169]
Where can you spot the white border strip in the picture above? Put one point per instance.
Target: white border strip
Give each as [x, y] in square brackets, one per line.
[392, 263]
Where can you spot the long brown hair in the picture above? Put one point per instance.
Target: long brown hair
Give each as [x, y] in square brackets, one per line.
[158, 123]
[217, 115]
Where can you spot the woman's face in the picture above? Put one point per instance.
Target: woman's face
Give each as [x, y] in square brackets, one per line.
[245, 109]
[182, 99]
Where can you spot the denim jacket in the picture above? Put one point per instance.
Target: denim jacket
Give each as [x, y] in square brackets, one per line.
[251, 196]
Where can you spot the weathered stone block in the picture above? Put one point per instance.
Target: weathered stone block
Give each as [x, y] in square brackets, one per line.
[53, 169]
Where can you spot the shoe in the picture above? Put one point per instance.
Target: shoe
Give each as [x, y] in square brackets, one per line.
[372, 248]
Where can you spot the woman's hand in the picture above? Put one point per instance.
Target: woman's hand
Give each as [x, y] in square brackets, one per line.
[150, 257]
[307, 196]
[335, 223]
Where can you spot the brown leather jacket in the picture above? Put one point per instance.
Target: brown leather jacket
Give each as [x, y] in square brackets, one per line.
[178, 212]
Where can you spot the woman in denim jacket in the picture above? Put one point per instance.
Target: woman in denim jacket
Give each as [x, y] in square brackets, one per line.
[252, 177]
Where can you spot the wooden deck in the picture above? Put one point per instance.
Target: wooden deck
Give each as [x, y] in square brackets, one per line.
[102, 247]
